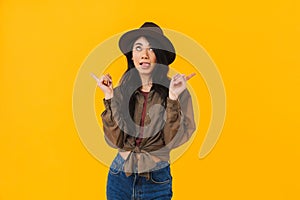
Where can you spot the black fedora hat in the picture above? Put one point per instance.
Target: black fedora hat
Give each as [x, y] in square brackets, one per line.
[149, 30]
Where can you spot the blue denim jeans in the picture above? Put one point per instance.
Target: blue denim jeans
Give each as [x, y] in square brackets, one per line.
[135, 187]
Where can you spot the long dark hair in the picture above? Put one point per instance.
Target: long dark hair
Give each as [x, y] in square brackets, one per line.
[131, 81]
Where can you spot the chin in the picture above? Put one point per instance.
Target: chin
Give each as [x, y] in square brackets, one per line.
[145, 71]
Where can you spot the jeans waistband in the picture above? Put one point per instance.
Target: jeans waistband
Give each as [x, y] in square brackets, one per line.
[118, 163]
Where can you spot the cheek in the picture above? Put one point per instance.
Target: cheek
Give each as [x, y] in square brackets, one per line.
[153, 58]
[134, 58]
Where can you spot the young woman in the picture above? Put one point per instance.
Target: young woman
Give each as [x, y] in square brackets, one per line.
[145, 117]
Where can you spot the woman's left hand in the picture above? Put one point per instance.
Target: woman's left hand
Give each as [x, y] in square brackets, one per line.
[178, 85]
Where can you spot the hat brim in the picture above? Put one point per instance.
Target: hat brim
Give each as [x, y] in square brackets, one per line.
[125, 42]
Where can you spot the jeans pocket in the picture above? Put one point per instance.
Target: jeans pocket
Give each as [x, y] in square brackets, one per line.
[161, 176]
[114, 171]
[117, 165]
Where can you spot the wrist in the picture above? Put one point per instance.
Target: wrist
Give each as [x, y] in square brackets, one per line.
[108, 96]
[172, 96]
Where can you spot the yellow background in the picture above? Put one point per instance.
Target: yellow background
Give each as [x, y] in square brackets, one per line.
[254, 44]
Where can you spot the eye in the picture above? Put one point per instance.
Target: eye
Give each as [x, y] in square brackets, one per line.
[151, 49]
[138, 48]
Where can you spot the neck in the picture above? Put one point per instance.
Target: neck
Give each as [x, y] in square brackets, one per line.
[146, 83]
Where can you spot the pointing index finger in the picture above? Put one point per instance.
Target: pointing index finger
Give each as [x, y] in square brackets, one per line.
[190, 76]
[94, 76]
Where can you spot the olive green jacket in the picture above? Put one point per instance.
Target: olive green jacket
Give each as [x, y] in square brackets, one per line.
[167, 125]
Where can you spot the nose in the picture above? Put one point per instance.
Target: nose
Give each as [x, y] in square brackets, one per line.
[145, 54]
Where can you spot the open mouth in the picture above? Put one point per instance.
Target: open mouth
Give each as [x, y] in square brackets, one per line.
[145, 64]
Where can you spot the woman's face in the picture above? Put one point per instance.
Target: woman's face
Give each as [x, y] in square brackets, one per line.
[143, 56]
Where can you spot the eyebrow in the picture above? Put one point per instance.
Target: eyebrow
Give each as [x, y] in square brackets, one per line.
[138, 43]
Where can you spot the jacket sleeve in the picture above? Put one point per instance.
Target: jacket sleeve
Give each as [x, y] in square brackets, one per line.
[172, 123]
[112, 133]
[180, 124]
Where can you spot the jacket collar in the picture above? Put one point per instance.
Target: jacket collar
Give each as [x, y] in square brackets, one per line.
[139, 94]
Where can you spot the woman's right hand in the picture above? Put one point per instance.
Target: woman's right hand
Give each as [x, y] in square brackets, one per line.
[105, 84]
